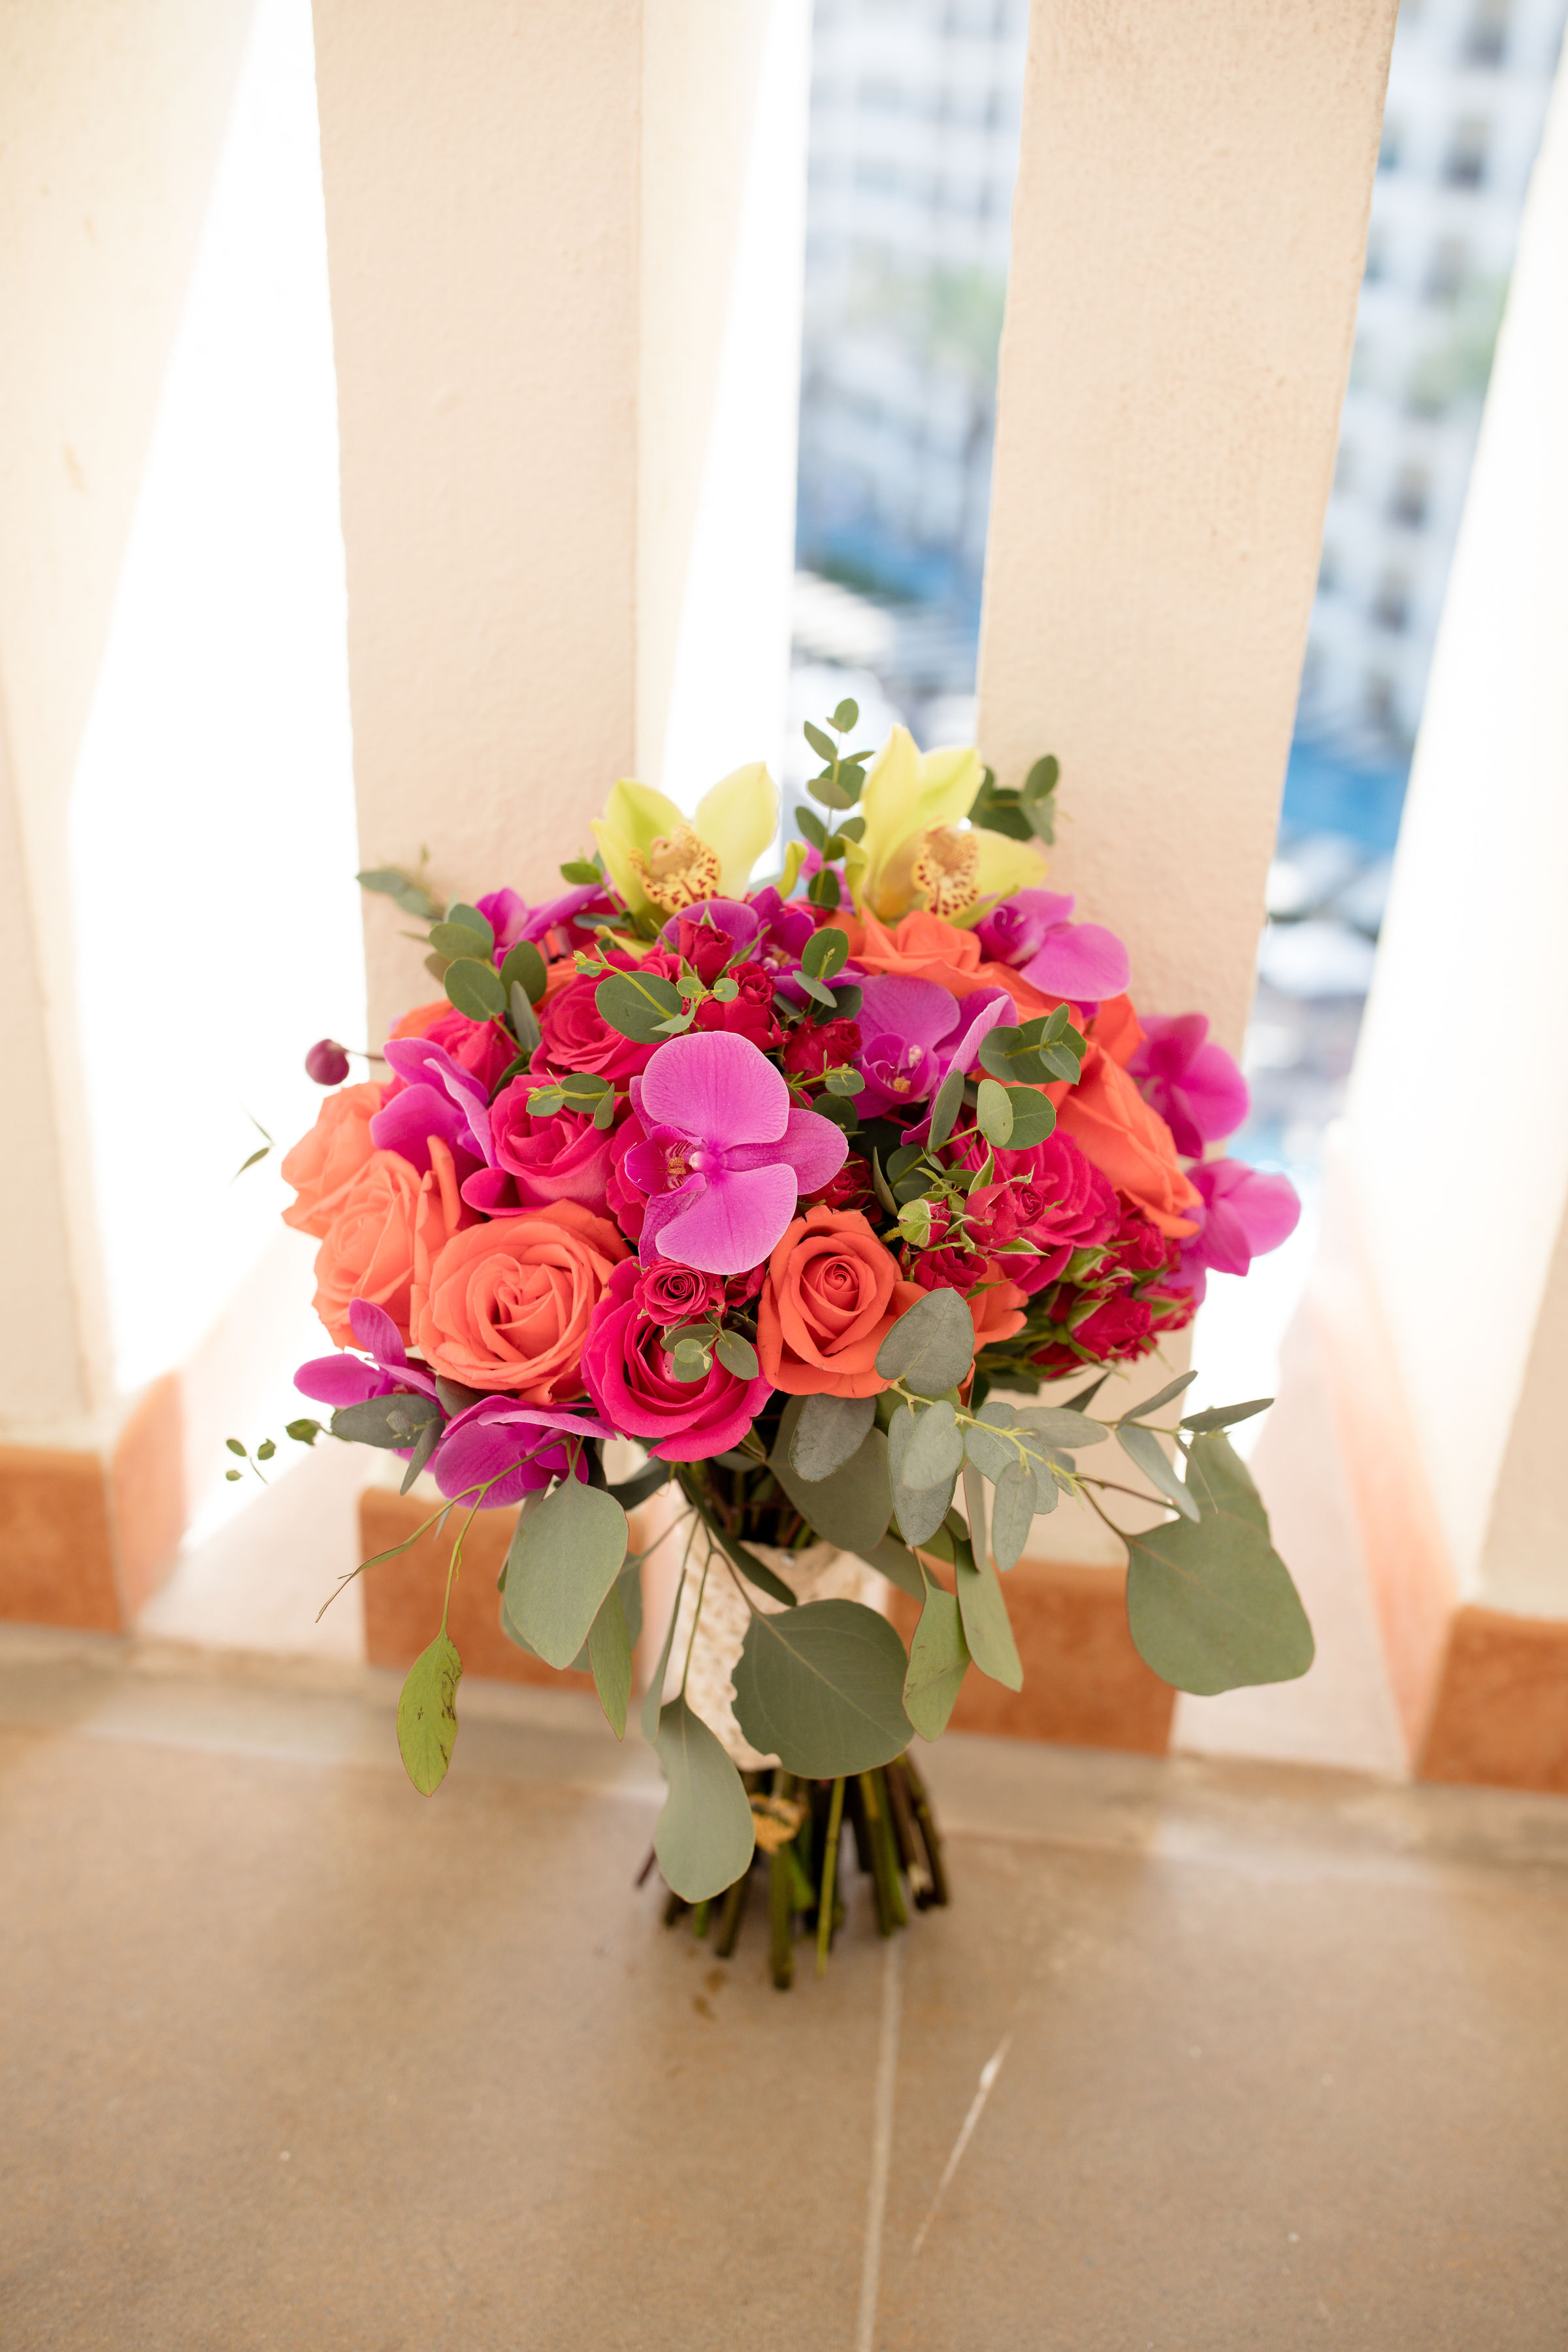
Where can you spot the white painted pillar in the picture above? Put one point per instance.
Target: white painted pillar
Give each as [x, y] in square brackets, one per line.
[114, 119]
[541, 233]
[1188, 236]
[1457, 1159]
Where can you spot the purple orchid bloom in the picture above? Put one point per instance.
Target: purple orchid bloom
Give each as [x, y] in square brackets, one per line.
[506, 914]
[343, 1380]
[914, 1032]
[1195, 1086]
[1245, 1214]
[439, 1097]
[521, 1447]
[1082, 962]
[786, 925]
[511, 918]
[726, 1158]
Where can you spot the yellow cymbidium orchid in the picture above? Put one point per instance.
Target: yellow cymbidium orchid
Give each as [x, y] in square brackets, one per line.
[916, 851]
[660, 860]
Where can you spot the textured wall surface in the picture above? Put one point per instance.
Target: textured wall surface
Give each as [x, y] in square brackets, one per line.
[1188, 236]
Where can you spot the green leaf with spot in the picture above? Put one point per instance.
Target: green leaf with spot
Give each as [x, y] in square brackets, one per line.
[822, 1688]
[635, 1004]
[427, 1714]
[524, 968]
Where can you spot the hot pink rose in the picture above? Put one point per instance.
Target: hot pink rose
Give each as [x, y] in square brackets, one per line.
[624, 1201]
[565, 1158]
[670, 1293]
[575, 1034]
[627, 1375]
[1056, 1199]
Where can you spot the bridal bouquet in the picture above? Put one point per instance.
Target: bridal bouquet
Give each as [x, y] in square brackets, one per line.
[806, 1190]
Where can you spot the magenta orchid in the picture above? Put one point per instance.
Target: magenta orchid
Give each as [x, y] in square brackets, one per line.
[1246, 1213]
[914, 1032]
[727, 1157]
[1192, 1083]
[1082, 962]
[439, 1097]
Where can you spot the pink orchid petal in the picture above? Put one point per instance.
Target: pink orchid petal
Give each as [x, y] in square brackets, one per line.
[339, 1380]
[812, 1146]
[735, 1223]
[1082, 960]
[916, 1011]
[1217, 1094]
[376, 1333]
[717, 1084]
[997, 1006]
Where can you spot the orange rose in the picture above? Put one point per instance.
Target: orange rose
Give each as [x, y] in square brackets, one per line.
[372, 1249]
[506, 1304]
[1113, 1126]
[423, 1017]
[928, 947]
[324, 1163]
[831, 1297]
[995, 1307]
[1117, 1030]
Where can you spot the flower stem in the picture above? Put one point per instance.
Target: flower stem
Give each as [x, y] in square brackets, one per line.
[829, 1859]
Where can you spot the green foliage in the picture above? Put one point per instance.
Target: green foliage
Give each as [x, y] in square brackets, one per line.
[524, 968]
[1161, 1397]
[1225, 1416]
[822, 1686]
[986, 1627]
[920, 1509]
[386, 1420]
[405, 890]
[1030, 812]
[828, 1432]
[849, 1508]
[945, 1110]
[1211, 1607]
[427, 1714]
[706, 1834]
[475, 988]
[610, 1659]
[935, 1448]
[931, 1346]
[1039, 1053]
[1013, 1502]
[938, 1660]
[565, 1556]
[1141, 1446]
[637, 1004]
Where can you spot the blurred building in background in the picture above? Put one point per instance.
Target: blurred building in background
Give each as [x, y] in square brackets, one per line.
[915, 111]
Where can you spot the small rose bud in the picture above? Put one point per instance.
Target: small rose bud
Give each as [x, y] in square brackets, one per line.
[327, 1063]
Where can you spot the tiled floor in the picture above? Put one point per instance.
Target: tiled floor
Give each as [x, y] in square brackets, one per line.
[291, 2058]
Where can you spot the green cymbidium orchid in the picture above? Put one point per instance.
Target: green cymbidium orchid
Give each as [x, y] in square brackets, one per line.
[915, 849]
[661, 860]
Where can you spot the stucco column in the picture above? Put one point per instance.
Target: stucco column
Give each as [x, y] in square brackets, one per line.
[1188, 234]
[1443, 1294]
[536, 219]
[1189, 228]
[114, 115]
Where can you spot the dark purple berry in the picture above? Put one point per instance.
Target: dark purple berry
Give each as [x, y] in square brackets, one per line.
[327, 1063]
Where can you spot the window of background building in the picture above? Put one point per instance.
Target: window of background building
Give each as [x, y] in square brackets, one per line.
[1465, 159]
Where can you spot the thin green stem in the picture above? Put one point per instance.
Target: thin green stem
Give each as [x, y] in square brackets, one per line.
[829, 1861]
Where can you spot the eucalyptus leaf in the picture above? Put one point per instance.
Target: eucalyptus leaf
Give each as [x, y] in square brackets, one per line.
[1013, 1507]
[898, 1564]
[1033, 1116]
[737, 1355]
[825, 952]
[1143, 1447]
[828, 1432]
[629, 1491]
[474, 987]
[1162, 1396]
[932, 1345]
[455, 939]
[427, 1714]
[1057, 1425]
[935, 1450]
[565, 1556]
[1212, 1607]
[994, 1112]
[425, 1445]
[610, 1659]
[756, 1572]
[386, 1420]
[635, 1005]
[938, 1660]
[524, 968]
[470, 920]
[945, 1110]
[654, 1693]
[921, 1510]
[706, 1834]
[821, 1687]
[1225, 1416]
[852, 1505]
[456, 1398]
[987, 1626]
[524, 1020]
